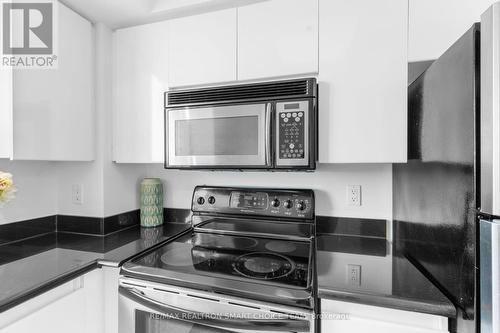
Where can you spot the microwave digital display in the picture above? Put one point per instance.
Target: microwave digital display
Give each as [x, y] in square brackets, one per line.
[292, 106]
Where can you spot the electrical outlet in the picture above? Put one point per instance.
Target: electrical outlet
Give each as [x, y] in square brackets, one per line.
[354, 275]
[354, 195]
[77, 194]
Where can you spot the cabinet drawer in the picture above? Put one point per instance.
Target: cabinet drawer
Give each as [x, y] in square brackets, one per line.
[340, 317]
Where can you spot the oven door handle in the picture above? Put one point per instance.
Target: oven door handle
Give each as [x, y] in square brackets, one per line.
[276, 325]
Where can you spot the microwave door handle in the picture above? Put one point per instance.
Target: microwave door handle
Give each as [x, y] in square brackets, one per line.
[277, 325]
[268, 143]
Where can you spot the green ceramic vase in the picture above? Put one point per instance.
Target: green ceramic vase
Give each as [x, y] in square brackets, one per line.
[151, 202]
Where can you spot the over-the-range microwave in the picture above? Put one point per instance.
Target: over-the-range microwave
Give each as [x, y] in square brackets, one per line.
[261, 126]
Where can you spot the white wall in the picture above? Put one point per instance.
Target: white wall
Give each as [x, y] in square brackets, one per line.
[44, 188]
[329, 183]
[36, 185]
[120, 181]
[89, 176]
[108, 188]
[434, 25]
[376, 272]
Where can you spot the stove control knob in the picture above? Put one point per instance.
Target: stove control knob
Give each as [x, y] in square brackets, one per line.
[300, 205]
[288, 204]
[275, 203]
[200, 200]
[211, 200]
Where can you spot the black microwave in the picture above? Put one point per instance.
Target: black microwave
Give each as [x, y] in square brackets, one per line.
[259, 126]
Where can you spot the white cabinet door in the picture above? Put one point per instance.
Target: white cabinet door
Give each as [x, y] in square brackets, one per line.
[6, 113]
[363, 81]
[436, 24]
[62, 316]
[202, 48]
[53, 108]
[277, 38]
[344, 317]
[140, 80]
[76, 306]
[93, 310]
[111, 276]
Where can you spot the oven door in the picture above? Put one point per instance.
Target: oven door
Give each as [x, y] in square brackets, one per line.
[233, 136]
[147, 307]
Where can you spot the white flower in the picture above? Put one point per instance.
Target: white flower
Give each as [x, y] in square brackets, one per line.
[7, 188]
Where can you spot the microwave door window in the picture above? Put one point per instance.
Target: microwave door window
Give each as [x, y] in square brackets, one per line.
[217, 136]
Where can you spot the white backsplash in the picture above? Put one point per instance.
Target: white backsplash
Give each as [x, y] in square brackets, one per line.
[329, 183]
[36, 194]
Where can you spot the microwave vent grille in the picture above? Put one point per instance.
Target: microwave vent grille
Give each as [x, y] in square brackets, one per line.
[283, 89]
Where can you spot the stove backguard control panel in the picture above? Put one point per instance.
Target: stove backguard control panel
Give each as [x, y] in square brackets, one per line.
[254, 201]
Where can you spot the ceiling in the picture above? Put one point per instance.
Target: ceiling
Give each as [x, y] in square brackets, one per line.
[124, 13]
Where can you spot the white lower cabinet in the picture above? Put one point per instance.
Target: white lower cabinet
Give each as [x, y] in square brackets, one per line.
[89, 304]
[111, 276]
[76, 306]
[344, 317]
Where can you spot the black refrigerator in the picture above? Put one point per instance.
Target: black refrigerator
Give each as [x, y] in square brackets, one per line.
[446, 199]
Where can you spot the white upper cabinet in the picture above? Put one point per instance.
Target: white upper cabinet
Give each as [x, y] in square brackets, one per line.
[363, 81]
[53, 117]
[202, 48]
[357, 48]
[277, 38]
[6, 113]
[140, 80]
[436, 24]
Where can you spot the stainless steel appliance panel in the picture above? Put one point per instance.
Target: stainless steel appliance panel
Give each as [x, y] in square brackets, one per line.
[235, 135]
[264, 126]
[490, 110]
[490, 276]
[147, 307]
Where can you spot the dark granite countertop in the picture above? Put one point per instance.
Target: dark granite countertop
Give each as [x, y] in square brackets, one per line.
[387, 280]
[32, 266]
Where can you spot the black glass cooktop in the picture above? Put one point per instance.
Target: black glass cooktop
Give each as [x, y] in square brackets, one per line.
[259, 260]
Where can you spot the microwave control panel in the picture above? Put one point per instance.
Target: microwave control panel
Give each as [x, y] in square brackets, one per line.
[292, 143]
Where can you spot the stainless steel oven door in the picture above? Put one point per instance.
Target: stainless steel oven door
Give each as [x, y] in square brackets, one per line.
[220, 136]
[147, 307]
